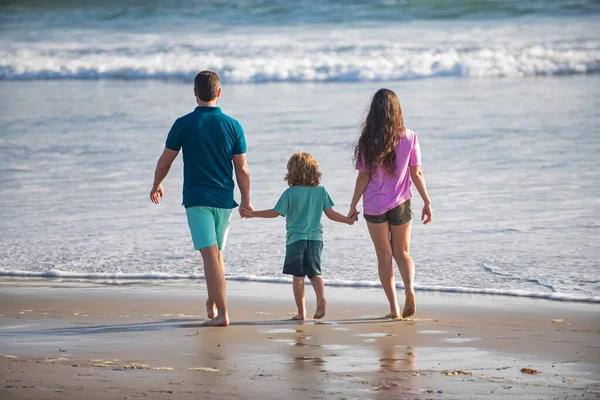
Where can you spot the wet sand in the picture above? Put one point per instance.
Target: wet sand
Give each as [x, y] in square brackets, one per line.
[72, 340]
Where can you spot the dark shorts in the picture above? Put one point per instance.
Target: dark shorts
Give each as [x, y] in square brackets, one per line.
[396, 216]
[303, 258]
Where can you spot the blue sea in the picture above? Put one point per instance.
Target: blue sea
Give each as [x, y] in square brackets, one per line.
[504, 96]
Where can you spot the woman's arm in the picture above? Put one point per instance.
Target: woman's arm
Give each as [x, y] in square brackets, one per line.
[337, 217]
[261, 214]
[362, 180]
[419, 181]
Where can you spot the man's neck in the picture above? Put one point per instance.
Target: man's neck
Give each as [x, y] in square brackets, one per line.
[201, 103]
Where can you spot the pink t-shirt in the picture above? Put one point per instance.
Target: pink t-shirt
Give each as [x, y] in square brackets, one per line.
[385, 191]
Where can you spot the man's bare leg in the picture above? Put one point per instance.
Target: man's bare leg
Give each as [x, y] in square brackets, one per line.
[319, 285]
[298, 285]
[211, 308]
[215, 284]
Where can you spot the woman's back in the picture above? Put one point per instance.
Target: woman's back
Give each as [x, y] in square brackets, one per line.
[386, 191]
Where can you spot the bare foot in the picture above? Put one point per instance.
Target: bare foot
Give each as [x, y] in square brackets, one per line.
[220, 320]
[211, 309]
[299, 317]
[392, 315]
[410, 307]
[320, 313]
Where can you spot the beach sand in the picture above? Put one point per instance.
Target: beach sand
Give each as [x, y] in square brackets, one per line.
[74, 340]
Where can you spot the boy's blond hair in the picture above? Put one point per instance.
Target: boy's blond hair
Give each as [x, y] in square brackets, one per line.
[303, 170]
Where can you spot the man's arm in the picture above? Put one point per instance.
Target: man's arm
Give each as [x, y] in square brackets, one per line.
[162, 169]
[242, 176]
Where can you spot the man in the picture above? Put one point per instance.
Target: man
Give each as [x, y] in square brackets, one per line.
[213, 144]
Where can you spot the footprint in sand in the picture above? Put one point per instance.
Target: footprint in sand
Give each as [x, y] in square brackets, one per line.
[462, 340]
[336, 347]
[278, 330]
[204, 369]
[433, 332]
[373, 334]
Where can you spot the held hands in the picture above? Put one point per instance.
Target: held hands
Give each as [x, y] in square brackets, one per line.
[353, 213]
[246, 211]
[156, 194]
[353, 219]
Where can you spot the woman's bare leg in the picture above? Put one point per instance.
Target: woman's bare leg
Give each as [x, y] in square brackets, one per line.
[400, 249]
[380, 235]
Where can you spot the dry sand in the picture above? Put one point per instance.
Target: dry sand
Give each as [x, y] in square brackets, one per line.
[70, 340]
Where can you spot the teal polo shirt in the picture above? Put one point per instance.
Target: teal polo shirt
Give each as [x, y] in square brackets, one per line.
[208, 139]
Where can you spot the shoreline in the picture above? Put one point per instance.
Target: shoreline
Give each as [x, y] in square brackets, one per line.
[117, 279]
[138, 341]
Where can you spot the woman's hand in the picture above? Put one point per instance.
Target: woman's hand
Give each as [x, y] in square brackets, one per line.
[353, 213]
[426, 215]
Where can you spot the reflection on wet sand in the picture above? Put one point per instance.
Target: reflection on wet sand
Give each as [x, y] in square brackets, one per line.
[397, 364]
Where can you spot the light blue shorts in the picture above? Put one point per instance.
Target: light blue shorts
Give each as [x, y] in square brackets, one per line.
[208, 226]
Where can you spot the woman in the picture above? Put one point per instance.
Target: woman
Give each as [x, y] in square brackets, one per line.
[388, 159]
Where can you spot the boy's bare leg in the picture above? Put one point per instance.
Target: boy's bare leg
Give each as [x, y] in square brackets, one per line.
[319, 285]
[211, 308]
[298, 284]
[215, 284]
[400, 246]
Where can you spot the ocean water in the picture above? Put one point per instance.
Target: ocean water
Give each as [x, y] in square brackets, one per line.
[503, 95]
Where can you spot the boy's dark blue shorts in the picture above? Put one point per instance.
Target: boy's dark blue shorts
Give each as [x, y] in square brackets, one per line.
[303, 258]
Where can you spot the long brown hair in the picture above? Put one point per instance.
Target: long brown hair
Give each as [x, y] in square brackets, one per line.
[380, 133]
[303, 170]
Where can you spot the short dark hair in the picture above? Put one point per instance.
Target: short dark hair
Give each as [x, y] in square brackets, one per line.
[207, 84]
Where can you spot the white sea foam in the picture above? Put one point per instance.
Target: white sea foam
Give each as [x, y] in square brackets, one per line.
[284, 280]
[496, 271]
[361, 54]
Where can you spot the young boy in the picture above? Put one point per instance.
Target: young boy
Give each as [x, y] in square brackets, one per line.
[302, 205]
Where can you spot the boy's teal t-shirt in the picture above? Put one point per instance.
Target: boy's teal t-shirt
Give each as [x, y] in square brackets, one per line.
[209, 139]
[302, 207]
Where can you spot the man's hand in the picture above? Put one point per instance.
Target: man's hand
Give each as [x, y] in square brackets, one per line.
[156, 194]
[244, 208]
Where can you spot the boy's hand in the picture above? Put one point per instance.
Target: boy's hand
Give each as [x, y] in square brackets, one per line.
[156, 194]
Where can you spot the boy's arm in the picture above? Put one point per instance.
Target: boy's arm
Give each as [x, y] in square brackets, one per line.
[262, 214]
[337, 217]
